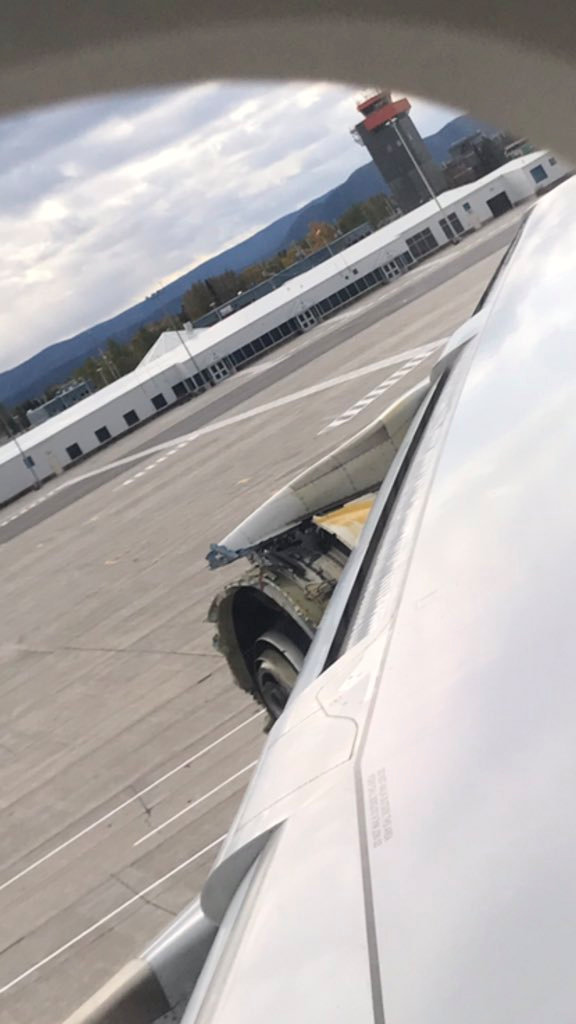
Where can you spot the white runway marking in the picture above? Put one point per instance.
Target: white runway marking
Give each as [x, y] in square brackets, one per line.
[418, 354]
[126, 803]
[32, 505]
[195, 803]
[376, 392]
[108, 917]
[152, 465]
[169, 448]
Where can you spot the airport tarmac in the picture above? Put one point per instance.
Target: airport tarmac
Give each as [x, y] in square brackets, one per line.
[125, 748]
[155, 436]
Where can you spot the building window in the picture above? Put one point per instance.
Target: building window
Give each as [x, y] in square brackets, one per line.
[307, 318]
[446, 228]
[74, 451]
[103, 434]
[179, 389]
[467, 207]
[158, 401]
[552, 161]
[456, 223]
[421, 243]
[451, 226]
[219, 370]
[131, 418]
[392, 270]
[538, 173]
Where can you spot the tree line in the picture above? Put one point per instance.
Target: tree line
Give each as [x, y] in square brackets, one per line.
[114, 359]
[111, 362]
[206, 295]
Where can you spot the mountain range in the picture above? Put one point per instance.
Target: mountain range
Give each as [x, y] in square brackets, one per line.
[54, 363]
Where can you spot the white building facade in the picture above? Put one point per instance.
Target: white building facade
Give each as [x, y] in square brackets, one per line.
[184, 363]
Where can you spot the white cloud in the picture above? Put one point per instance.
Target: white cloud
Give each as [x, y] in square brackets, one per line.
[50, 210]
[102, 201]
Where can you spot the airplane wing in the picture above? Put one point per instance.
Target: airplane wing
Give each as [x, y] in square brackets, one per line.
[405, 850]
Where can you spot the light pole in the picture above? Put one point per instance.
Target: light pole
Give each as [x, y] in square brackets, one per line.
[448, 230]
[416, 165]
[181, 339]
[110, 366]
[26, 459]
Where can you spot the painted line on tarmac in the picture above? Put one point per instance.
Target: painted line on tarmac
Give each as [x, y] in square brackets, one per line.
[33, 504]
[126, 803]
[190, 807]
[152, 465]
[109, 917]
[363, 403]
[167, 449]
[420, 353]
[377, 392]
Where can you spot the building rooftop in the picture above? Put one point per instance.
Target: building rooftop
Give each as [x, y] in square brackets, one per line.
[519, 164]
[177, 346]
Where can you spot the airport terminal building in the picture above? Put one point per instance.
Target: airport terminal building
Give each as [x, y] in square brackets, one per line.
[187, 362]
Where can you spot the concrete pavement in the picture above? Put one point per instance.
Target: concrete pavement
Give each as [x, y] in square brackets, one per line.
[118, 715]
[373, 310]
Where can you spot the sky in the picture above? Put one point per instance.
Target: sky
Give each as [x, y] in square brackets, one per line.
[103, 201]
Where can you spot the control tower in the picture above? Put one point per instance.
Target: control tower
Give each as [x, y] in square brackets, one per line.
[398, 150]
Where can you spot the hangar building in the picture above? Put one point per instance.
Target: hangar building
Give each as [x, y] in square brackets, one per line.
[183, 363]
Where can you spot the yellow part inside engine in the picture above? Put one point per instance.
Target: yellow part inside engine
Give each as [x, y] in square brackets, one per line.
[347, 522]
